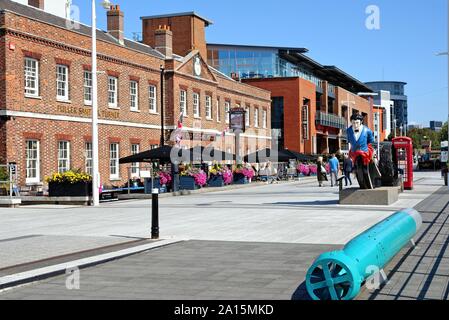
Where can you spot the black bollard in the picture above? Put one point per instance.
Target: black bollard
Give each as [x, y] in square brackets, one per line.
[155, 214]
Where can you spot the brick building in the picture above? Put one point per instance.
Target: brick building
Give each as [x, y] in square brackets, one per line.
[46, 94]
[312, 104]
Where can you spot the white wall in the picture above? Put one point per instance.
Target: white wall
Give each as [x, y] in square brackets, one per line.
[56, 7]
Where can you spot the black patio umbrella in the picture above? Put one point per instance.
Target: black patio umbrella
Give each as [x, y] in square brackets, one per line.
[266, 155]
[162, 154]
[209, 154]
[299, 156]
[276, 156]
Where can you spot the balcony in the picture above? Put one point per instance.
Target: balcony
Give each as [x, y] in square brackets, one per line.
[331, 120]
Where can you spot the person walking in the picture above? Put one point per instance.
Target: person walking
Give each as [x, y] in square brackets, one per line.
[347, 169]
[321, 171]
[335, 169]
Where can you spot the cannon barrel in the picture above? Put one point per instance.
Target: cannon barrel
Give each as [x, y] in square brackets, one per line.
[339, 275]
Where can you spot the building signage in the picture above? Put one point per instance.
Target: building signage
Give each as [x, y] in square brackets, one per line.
[87, 112]
[237, 119]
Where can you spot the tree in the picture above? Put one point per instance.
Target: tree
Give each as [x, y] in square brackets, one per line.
[444, 133]
[420, 135]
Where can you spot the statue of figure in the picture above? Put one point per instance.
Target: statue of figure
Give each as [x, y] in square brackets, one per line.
[361, 139]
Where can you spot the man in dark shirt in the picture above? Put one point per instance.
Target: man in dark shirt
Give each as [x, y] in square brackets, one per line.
[347, 169]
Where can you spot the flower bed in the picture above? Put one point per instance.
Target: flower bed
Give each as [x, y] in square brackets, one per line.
[219, 176]
[243, 175]
[70, 184]
[310, 169]
[192, 178]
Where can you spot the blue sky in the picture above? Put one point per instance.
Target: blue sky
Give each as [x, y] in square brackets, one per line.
[411, 33]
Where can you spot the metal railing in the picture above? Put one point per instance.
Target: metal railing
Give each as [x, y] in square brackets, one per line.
[331, 120]
[9, 171]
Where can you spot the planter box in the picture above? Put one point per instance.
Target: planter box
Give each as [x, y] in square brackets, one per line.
[80, 189]
[156, 185]
[187, 183]
[239, 178]
[216, 181]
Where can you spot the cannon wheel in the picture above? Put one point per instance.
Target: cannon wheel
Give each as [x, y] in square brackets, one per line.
[329, 279]
[363, 175]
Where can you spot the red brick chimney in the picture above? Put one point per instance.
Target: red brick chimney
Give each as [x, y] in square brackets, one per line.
[36, 3]
[116, 23]
[164, 41]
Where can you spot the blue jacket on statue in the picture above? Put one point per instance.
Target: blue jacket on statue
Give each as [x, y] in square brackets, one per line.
[366, 137]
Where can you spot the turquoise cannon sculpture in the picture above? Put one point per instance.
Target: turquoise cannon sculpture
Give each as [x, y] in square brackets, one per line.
[339, 275]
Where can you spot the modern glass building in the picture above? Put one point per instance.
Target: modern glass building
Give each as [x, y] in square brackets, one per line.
[397, 92]
[247, 62]
[311, 103]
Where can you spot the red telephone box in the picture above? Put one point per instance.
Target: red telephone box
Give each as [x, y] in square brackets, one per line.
[404, 155]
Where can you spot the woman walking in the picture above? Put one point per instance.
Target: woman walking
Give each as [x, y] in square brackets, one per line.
[321, 172]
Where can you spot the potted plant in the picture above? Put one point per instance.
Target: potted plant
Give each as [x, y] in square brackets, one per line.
[161, 180]
[192, 178]
[4, 186]
[219, 176]
[243, 175]
[70, 184]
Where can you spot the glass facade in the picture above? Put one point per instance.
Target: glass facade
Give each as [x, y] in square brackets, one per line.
[397, 91]
[247, 62]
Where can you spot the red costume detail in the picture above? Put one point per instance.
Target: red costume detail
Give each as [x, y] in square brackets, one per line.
[366, 156]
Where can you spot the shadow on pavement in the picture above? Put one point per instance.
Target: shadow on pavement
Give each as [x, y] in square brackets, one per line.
[301, 293]
[308, 203]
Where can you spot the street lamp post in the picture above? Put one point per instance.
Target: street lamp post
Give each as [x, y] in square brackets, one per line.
[95, 153]
[394, 125]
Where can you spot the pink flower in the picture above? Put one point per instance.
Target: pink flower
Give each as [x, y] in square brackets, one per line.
[165, 178]
[227, 177]
[248, 173]
[200, 178]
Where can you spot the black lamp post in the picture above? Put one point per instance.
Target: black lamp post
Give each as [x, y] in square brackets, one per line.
[162, 106]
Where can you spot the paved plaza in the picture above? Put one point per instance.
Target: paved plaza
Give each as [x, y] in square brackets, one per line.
[251, 243]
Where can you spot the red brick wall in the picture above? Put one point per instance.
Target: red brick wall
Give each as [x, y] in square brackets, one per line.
[48, 132]
[307, 90]
[188, 33]
[294, 90]
[52, 45]
[356, 102]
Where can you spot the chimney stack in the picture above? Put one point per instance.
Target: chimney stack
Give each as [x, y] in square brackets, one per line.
[36, 3]
[116, 23]
[164, 41]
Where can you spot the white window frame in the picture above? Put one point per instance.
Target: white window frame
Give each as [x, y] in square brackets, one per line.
[88, 157]
[227, 110]
[247, 116]
[183, 102]
[87, 87]
[135, 166]
[256, 117]
[208, 107]
[196, 105]
[152, 98]
[112, 92]
[134, 95]
[62, 82]
[63, 156]
[217, 108]
[264, 118]
[114, 156]
[35, 160]
[31, 75]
